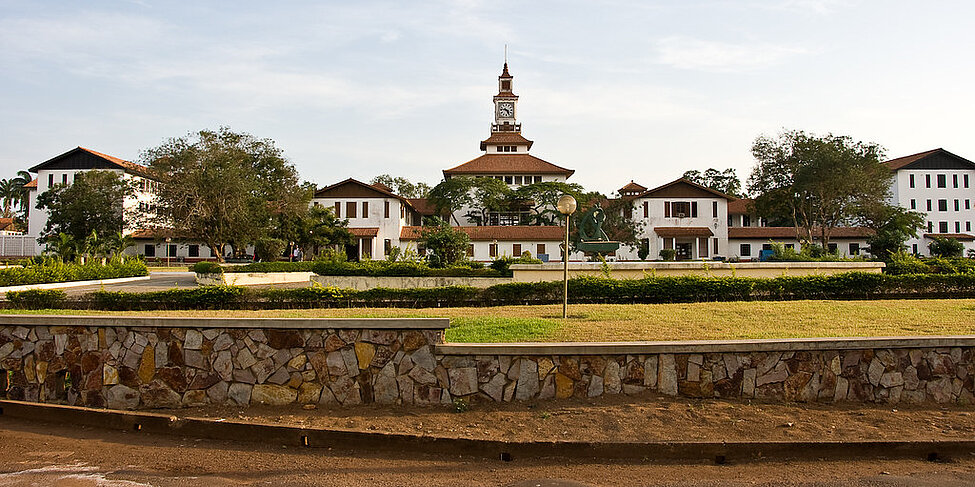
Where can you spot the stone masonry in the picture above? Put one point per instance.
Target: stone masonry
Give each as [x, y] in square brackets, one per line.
[152, 363]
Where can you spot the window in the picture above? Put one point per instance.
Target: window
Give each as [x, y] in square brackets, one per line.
[470, 250]
[539, 249]
[538, 179]
[854, 248]
[964, 178]
[506, 84]
[942, 227]
[731, 221]
[942, 181]
[516, 250]
[508, 180]
[714, 245]
[911, 180]
[64, 178]
[767, 246]
[338, 209]
[745, 250]
[942, 205]
[929, 205]
[681, 209]
[746, 221]
[517, 179]
[646, 209]
[387, 245]
[385, 209]
[365, 209]
[957, 205]
[493, 250]
[714, 209]
[171, 250]
[50, 180]
[212, 253]
[927, 180]
[914, 249]
[150, 250]
[193, 251]
[954, 180]
[913, 204]
[350, 209]
[968, 204]
[968, 226]
[930, 227]
[666, 209]
[957, 227]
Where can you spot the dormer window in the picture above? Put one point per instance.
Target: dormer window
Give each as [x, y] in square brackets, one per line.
[507, 148]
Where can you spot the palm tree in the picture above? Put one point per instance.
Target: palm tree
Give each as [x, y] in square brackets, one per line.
[23, 194]
[9, 194]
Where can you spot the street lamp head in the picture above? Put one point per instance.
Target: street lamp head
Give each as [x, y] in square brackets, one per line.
[566, 204]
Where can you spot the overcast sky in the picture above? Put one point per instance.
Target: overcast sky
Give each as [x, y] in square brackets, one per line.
[616, 90]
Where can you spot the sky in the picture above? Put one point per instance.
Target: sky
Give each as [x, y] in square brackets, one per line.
[616, 90]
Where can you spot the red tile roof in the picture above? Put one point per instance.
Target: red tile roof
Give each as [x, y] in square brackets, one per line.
[364, 231]
[790, 232]
[505, 138]
[682, 231]
[8, 224]
[525, 233]
[154, 234]
[31, 184]
[649, 193]
[900, 162]
[423, 206]
[379, 188]
[633, 187]
[508, 164]
[956, 236]
[743, 206]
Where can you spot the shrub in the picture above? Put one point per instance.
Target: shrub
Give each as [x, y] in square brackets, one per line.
[279, 266]
[946, 247]
[206, 297]
[39, 271]
[269, 249]
[503, 263]
[36, 298]
[205, 267]
[668, 254]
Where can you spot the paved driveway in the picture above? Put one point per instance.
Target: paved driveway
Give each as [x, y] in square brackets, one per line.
[158, 281]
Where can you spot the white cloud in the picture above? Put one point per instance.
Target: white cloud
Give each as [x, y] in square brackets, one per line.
[688, 53]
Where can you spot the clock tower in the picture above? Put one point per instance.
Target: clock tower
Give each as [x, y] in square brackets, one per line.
[505, 105]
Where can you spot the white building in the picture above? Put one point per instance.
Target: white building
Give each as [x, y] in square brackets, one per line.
[938, 184]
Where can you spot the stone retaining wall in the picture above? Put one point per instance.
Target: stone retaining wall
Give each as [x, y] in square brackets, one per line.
[639, 270]
[363, 283]
[134, 363]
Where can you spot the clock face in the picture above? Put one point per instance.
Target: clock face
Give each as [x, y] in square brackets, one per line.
[506, 109]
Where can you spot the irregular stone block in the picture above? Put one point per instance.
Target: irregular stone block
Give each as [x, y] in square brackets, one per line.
[223, 365]
[192, 398]
[494, 388]
[281, 339]
[157, 395]
[122, 397]
[463, 381]
[219, 392]
[423, 357]
[405, 389]
[240, 394]
[245, 376]
[273, 395]
[423, 376]
[147, 366]
[778, 374]
[280, 376]
[667, 375]
[223, 342]
[262, 370]
[891, 379]
[527, 381]
[298, 362]
[380, 337]
[193, 341]
[109, 375]
[595, 386]
[309, 393]
[611, 378]
[386, 389]
[336, 364]
[650, 372]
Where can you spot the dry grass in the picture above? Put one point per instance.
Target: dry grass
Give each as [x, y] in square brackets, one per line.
[694, 321]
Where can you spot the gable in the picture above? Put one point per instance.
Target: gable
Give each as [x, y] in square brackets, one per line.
[81, 158]
[683, 188]
[935, 159]
[350, 188]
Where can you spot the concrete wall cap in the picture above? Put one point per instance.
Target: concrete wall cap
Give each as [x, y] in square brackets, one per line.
[206, 322]
[597, 266]
[705, 346]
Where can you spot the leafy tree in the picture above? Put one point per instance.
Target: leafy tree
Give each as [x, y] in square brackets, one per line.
[223, 188]
[946, 247]
[894, 226]
[448, 244]
[312, 230]
[402, 186]
[541, 199]
[480, 196]
[725, 181]
[87, 213]
[818, 183]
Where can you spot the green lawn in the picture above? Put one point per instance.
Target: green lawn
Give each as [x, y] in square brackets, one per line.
[694, 321]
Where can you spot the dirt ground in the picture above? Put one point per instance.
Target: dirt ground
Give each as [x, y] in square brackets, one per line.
[623, 420]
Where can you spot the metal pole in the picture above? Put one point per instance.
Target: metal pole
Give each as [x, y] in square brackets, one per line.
[565, 271]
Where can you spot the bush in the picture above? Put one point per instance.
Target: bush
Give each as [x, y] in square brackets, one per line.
[380, 268]
[206, 297]
[269, 249]
[668, 254]
[40, 271]
[904, 263]
[280, 266]
[36, 299]
[205, 267]
[946, 247]
[809, 253]
[503, 263]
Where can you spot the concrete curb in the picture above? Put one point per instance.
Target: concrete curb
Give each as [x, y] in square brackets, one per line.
[716, 452]
[68, 284]
[206, 322]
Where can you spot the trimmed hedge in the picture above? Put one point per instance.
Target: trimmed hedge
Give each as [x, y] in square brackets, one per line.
[36, 298]
[44, 271]
[375, 268]
[854, 285]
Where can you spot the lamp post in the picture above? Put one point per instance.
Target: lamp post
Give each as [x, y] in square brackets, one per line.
[566, 206]
[168, 239]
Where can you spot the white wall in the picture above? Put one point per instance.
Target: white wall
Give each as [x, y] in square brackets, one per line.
[389, 228]
[903, 193]
[655, 218]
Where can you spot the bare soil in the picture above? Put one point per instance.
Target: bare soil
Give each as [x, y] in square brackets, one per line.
[621, 419]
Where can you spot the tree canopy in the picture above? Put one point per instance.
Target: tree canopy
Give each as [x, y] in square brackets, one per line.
[817, 183]
[86, 216]
[725, 181]
[402, 186]
[223, 188]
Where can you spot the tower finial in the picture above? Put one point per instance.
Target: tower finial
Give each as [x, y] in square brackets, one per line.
[506, 53]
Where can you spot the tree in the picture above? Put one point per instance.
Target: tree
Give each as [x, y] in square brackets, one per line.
[818, 183]
[223, 188]
[480, 195]
[894, 226]
[541, 199]
[448, 244]
[402, 186]
[313, 230]
[946, 247]
[87, 211]
[725, 181]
